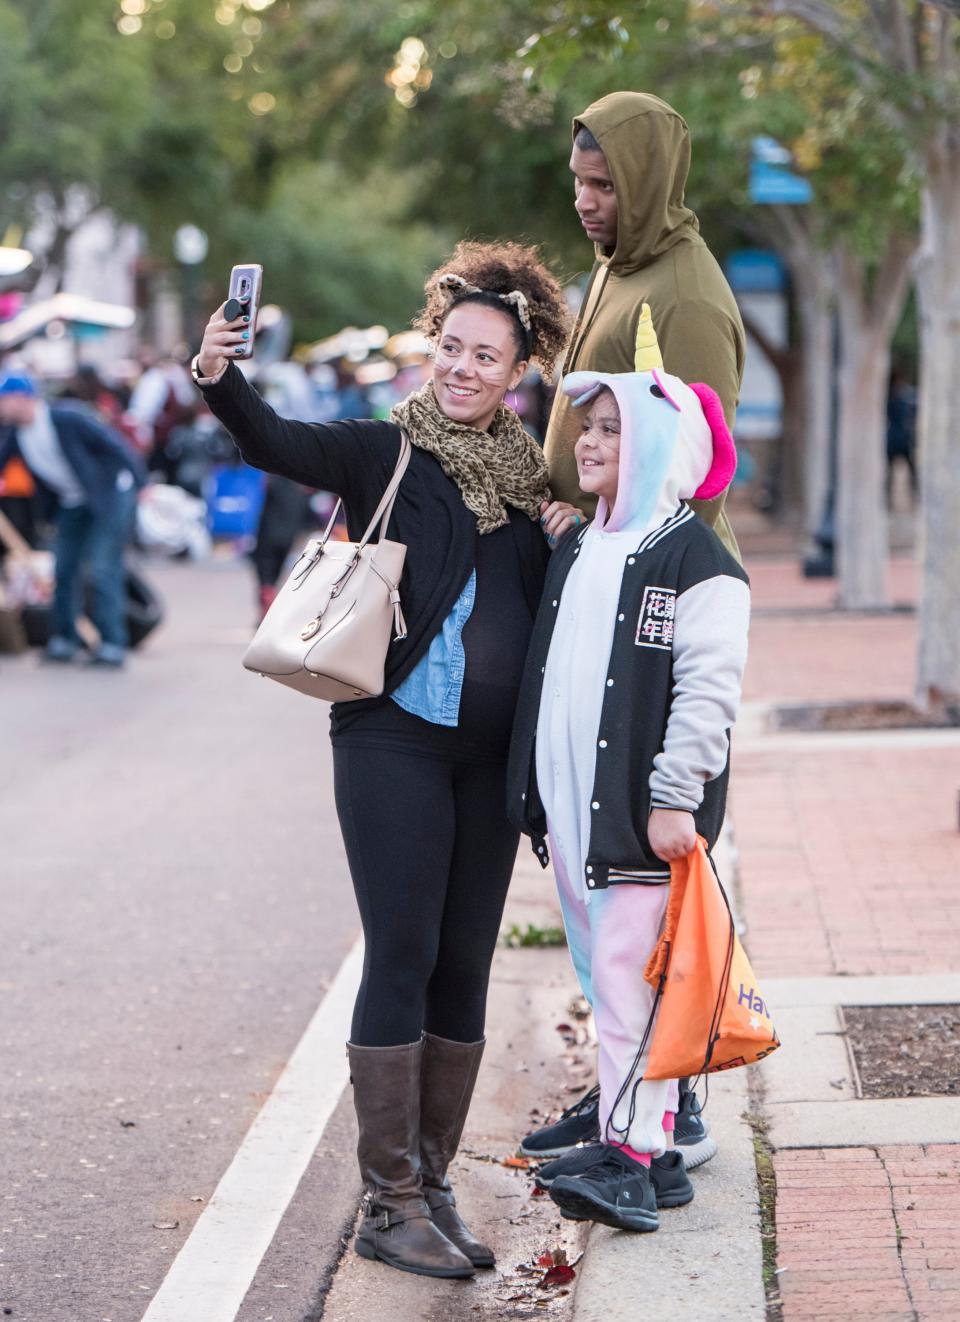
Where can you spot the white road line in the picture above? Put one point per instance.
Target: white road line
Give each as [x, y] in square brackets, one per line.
[211, 1274]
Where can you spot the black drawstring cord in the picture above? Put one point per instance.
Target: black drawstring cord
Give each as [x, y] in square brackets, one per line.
[632, 1113]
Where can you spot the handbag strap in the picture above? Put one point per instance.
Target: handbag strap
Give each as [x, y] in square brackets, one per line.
[383, 511]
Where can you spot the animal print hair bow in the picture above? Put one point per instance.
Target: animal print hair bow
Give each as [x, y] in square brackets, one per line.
[516, 298]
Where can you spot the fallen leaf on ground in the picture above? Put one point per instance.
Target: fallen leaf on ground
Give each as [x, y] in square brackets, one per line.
[516, 1163]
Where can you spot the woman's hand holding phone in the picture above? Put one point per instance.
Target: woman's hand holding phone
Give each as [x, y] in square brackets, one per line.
[222, 340]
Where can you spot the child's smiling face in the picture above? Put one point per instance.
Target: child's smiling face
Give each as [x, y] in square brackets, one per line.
[598, 448]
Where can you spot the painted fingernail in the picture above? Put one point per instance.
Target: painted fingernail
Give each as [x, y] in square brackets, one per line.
[246, 319]
[246, 335]
[551, 539]
[542, 521]
[239, 349]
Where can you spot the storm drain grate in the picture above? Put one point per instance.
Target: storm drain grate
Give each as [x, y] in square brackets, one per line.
[905, 1050]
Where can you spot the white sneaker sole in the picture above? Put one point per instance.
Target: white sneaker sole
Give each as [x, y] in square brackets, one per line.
[697, 1154]
[546, 1154]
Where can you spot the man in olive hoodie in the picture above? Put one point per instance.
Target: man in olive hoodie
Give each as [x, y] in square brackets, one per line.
[630, 160]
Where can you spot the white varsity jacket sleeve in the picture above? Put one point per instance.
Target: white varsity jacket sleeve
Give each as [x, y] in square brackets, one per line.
[709, 653]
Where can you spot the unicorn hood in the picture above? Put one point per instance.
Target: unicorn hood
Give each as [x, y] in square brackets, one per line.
[674, 442]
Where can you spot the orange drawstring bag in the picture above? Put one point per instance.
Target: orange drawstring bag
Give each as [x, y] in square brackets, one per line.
[710, 1013]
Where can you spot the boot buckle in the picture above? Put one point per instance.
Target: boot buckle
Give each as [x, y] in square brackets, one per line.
[383, 1221]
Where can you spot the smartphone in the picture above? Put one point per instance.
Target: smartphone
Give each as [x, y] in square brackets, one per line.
[243, 300]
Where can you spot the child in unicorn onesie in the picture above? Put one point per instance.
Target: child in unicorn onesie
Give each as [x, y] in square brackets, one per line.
[621, 740]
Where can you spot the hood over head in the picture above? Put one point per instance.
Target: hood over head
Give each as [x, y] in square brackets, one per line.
[647, 148]
[674, 442]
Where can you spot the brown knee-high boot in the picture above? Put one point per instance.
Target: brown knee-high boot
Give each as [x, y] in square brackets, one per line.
[449, 1074]
[397, 1225]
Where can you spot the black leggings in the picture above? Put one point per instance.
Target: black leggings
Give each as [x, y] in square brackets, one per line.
[431, 853]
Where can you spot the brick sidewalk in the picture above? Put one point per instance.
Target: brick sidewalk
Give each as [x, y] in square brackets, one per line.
[849, 858]
[869, 1230]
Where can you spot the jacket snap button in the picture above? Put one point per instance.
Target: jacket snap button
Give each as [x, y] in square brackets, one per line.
[620, 616]
[603, 743]
[591, 884]
[631, 560]
[589, 870]
[609, 683]
[594, 804]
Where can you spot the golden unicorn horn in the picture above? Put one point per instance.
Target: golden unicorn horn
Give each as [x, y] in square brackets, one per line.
[647, 354]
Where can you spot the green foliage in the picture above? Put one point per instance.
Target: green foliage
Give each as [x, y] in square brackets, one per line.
[351, 141]
[517, 937]
[336, 251]
[73, 101]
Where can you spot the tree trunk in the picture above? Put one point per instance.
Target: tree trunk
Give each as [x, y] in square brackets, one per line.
[867, 322]
[795, 233]
[815, 303]
[862, 543]
[793, 441]
[938, 288]
[787, 362]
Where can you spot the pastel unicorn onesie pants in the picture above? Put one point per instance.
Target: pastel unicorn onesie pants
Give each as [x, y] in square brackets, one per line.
[668, 453]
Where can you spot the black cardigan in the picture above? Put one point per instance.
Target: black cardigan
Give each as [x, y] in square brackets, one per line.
[355, 461]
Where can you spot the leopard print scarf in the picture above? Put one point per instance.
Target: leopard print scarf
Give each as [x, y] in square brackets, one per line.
[493, 469]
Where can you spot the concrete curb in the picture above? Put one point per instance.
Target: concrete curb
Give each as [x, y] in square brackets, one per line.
[706, 1258]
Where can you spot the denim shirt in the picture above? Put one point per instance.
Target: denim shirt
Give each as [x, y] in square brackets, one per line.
[432, 689]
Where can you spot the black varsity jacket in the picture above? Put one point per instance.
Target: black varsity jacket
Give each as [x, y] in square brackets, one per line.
[672, 691]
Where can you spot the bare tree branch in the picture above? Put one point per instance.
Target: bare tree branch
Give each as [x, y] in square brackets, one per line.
[945, 46]
[778, 355]
[817, 14]
[892, 279]
[882, 22]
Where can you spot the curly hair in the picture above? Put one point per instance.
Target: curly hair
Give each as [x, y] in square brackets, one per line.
[495, 269]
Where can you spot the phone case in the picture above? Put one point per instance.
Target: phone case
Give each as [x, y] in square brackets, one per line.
[246, 283]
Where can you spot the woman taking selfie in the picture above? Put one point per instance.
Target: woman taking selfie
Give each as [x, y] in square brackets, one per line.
[419, 772]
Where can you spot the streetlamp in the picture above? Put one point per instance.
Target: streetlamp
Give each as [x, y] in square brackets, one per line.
[190, 245]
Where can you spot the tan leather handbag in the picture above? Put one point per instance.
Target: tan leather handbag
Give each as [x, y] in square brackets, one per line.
[328, 630]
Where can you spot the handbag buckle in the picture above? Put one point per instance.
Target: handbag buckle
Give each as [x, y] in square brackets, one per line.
[310, 558]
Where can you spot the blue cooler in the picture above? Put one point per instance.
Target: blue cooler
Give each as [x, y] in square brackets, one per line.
[234, 500]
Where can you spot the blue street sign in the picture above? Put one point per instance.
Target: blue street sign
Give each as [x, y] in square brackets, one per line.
[771, 181]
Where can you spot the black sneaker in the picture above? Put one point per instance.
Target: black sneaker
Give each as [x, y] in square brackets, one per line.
[580, 1123]
[691, 1135]
[671, 1185]
[616, 1191]
[573, 1162]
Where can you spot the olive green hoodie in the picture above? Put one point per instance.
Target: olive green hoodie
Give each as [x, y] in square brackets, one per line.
[659, 259]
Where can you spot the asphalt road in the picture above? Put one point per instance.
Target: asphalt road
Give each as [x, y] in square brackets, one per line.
[174, 902]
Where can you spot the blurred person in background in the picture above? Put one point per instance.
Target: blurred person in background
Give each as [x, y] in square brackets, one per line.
[86, 386]
[162, 399]
[901, 430]
[92, 477]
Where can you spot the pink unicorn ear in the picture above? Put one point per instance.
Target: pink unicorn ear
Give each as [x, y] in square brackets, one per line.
[724, 451]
